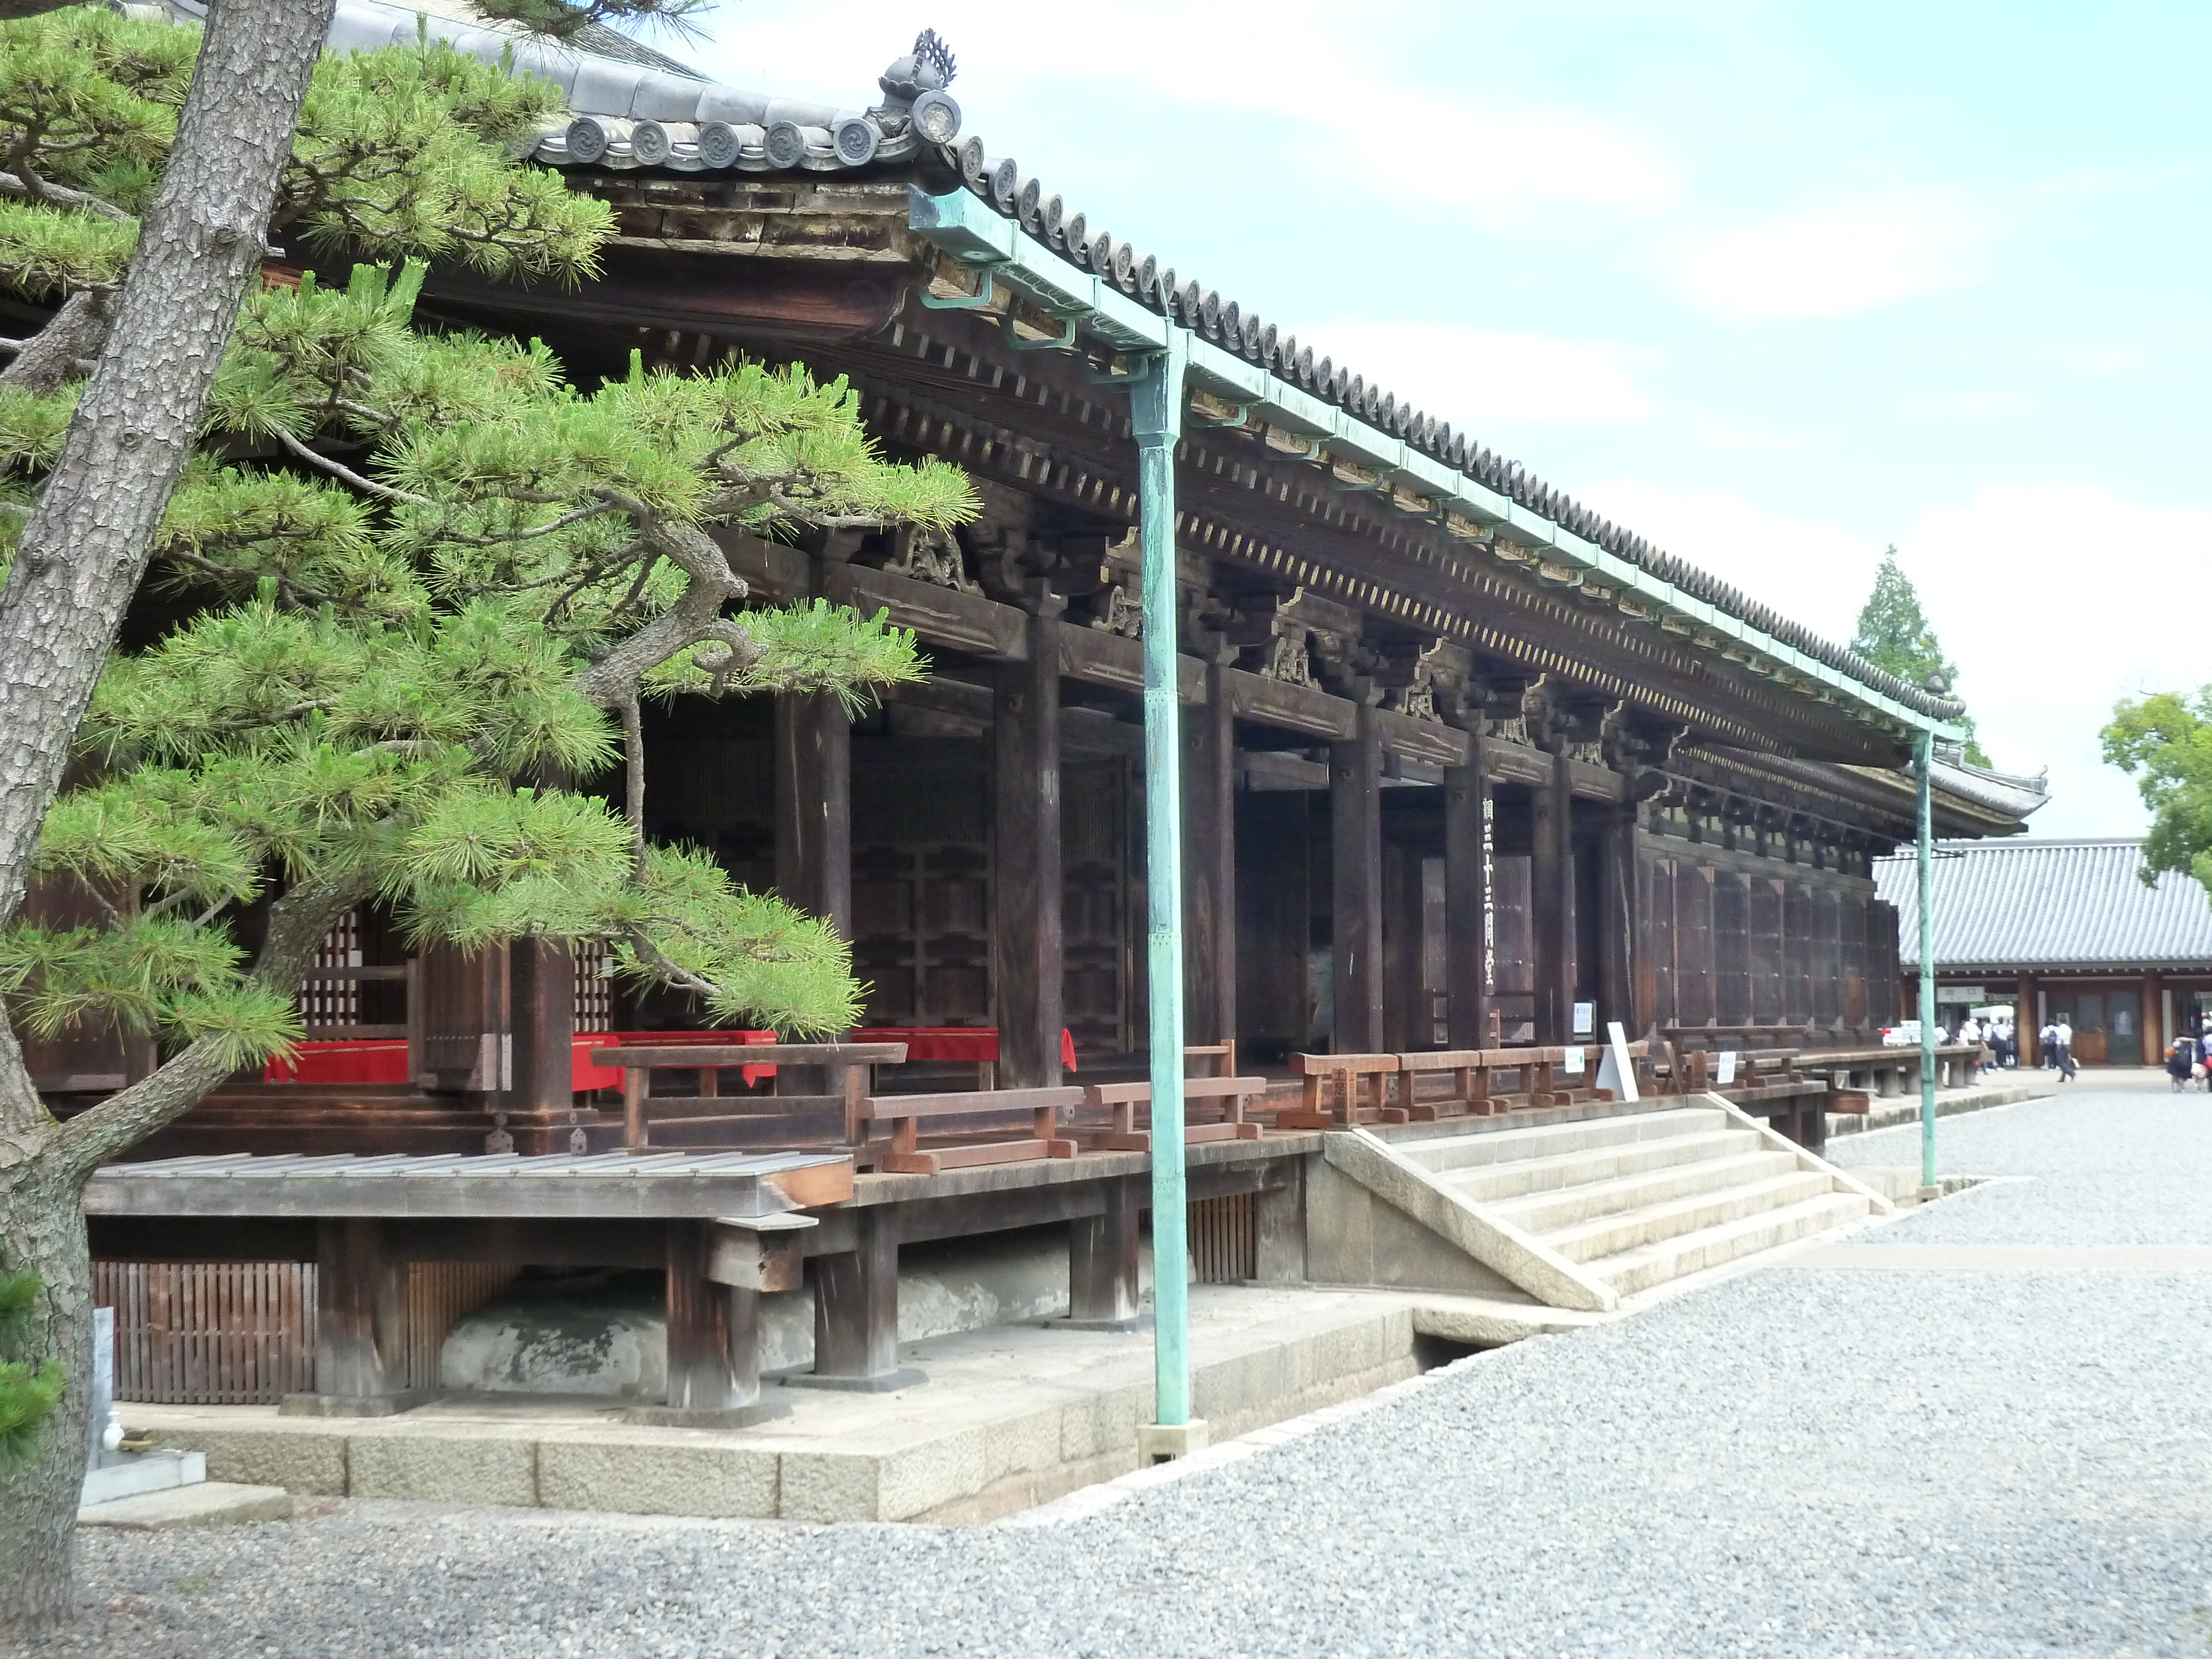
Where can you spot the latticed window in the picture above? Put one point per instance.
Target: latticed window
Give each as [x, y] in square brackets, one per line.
[595, 990]
[329, 994]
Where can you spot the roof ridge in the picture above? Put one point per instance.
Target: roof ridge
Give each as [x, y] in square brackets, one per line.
[1000, 184]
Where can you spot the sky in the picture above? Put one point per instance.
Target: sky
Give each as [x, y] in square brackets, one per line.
[1775, 285]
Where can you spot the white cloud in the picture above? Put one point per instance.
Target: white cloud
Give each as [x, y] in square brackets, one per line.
[1357, 113]
[1819, 574]
[2047, 596]
[1835, 260]
[2056, 600]
[1488, 381]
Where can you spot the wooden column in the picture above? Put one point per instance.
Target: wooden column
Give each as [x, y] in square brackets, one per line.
[1209, 865]
[2155, 1036]
[714, 1342]
[856, 1312]
[542, 1001]
[1550, 907]
[1617, 916]
[361, 1324]
[1467, 900]
[814, 806]
[1102, 1261]
[1025, 875]
[2027, 1028]
[1355, 796]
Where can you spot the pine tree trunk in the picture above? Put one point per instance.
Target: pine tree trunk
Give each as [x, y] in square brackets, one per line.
[85, 546]
[80, 558]
[42, 1227]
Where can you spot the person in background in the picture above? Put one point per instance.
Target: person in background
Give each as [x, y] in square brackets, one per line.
[2184, 1059]
[2047, 1056]
[2061, 1034]
[1970, 1032]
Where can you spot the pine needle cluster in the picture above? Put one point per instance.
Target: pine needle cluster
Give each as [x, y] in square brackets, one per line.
[426, 579]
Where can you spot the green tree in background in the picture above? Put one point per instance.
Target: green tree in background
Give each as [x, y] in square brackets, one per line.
[2165, 743]
[1894, 636]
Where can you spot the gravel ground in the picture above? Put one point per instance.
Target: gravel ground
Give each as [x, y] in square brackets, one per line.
[1797, 1461]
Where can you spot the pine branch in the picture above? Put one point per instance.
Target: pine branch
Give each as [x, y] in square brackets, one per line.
[28, 186]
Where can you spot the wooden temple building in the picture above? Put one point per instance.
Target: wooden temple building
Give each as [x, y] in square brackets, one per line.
[1465, 768]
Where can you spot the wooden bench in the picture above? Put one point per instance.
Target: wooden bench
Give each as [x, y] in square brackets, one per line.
[851, 1063]
[1347, 1076]
[903, 1154]
[1122, 1100]
[1219, 1057]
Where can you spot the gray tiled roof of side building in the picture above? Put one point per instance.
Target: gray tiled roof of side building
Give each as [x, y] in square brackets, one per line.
[2049, 904]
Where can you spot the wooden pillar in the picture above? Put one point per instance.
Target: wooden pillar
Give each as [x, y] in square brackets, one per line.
[1617, 916]
[361, 1324]
[1466, 901]
[814, 806]
[714, 1342]
[2027, 1028]
[1102, 1262]
[542, 1001]
[1551, 906]
[1209, 864]
[1025, 875]
[856, 1312]
[2155, 1036]
[1355, 797]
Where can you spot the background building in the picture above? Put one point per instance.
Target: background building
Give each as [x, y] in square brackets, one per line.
[2062, 927]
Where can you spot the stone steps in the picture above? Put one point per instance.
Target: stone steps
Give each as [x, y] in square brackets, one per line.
[1506, 1187]
[1444, 1154]
[1552, 1212]
[1652, 1223]
[1611, 1207]
[1650, 1265]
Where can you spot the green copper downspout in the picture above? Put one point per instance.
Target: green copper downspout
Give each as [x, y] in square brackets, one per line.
[1923, 755]
[1156, 418]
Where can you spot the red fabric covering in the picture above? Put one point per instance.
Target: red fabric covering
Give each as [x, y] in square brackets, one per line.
[584, 1075]
[972, 1043]
[385, 1060]
[366, 1060]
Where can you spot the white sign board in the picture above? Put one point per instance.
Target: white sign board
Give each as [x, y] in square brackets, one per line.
[1725, 1074]
[1616, 1071]
[1585, 1018]
[1573, 1065]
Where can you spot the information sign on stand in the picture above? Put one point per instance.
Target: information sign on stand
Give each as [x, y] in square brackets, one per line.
[1573, 1065]
[1725, 1074]
[1616, 1069]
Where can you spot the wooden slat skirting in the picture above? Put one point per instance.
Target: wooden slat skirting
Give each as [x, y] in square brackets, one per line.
[1224, 1239]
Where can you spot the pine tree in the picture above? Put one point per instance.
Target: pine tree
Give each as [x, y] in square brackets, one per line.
[428, 581]
[1895, 636]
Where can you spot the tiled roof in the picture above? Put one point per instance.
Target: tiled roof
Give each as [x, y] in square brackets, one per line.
[623, 114]
[2049, 904]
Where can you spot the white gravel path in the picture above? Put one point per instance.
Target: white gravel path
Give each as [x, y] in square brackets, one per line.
[1802, 1460]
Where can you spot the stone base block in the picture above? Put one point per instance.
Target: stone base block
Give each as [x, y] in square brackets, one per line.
[1162, 1443]
[733, 1417]
[210, 1503]
[885, 1382]
[1133, 1322]
[354, 1405]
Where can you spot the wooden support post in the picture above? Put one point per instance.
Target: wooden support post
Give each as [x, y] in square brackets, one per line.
[814, 806]
[1356, 821]
[1551, 875]
[813, 826]
[1209, 857]
[856, 1312]
[1616, 927]
[1102, 1262]
[1466, 901]
[361, 1325]
[714, 1343]
[1025, 875]
[542, 1002]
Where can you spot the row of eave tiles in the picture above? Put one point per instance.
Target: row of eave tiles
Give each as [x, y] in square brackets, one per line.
[1002, 185]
